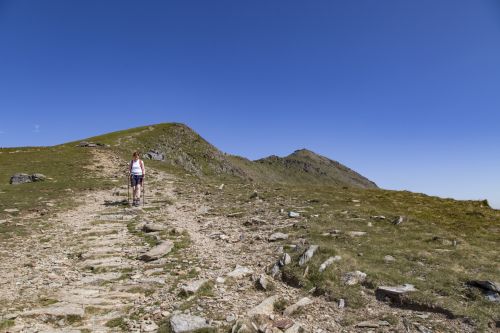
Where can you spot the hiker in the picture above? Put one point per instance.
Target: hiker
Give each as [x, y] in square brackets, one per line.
[137, 174]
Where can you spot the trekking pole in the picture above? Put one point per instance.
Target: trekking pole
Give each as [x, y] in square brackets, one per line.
[128, 189]
[143, 192]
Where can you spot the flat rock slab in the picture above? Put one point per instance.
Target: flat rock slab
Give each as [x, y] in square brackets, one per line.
[265, 308]
[183, 323]
[356, 233]
[394, 294]
[158, 251]
[277, 236]
[240, 272]
[297, 306]
[60, 309]
[193, 286]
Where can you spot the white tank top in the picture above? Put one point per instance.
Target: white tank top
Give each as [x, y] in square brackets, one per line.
[136, 168]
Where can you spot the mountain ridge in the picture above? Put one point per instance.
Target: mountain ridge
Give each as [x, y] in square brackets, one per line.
[181, 146]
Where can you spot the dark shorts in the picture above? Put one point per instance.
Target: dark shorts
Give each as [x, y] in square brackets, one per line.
[135, 179]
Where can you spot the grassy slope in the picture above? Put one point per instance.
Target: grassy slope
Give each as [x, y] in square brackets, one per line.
[423, 246]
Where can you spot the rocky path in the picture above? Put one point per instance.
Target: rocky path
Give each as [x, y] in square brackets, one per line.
[106, 267]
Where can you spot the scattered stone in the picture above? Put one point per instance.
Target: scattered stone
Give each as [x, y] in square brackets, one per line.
[356, 233]
[236, 214]
[277, 236]
[88, 144]
[308, 254]
[297, 306]
[158, 251]
[221, 187]
[154, 155]
[296, 328]
[283, 323]
[220, 280]
[231, 318]
[254, 195]
[353, 278]
[341, 303]
[328, 263]
[11, 210]
[192, 287]
[263, 282]
[394, 294]
[389, 259]
[255, 221]
[184, 323]
[240, 272]
[153, 227]
[399, 220]
[265, 308]
[378, 217]
[149, 326]
[293, 214]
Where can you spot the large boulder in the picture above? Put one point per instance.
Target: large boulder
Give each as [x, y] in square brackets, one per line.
[21, 178]
[183, 323]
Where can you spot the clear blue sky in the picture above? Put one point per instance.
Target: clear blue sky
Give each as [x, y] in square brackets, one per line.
[405, 92]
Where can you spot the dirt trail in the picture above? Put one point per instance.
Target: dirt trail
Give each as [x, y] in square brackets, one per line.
[85, 276]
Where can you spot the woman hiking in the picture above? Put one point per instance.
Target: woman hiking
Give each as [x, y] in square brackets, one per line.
[137, 174]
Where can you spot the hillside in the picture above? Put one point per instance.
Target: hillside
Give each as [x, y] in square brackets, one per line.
[286, 244]
[178, 145]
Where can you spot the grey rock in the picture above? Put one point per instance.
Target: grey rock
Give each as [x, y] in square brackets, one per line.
[372, 324]
[264, 283]
[266, 307]
[20, 178]
[356, 233]
[303, 302]
[153, 227]
[277, 236]
[296, 328]
[399, 220]
[389, 259]
[341, 303]
[184, 323]
[11, 210]
[353, 278]
[293, 214]
[36, 177]
[328, 263]
[59, 309]
[255, 221]
[240, 272]
[308, 254]
[394, 294]
[158, 251]
[490, 289]
[193, 287]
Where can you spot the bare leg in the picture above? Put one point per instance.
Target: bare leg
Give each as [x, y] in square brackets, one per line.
[138, 189]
